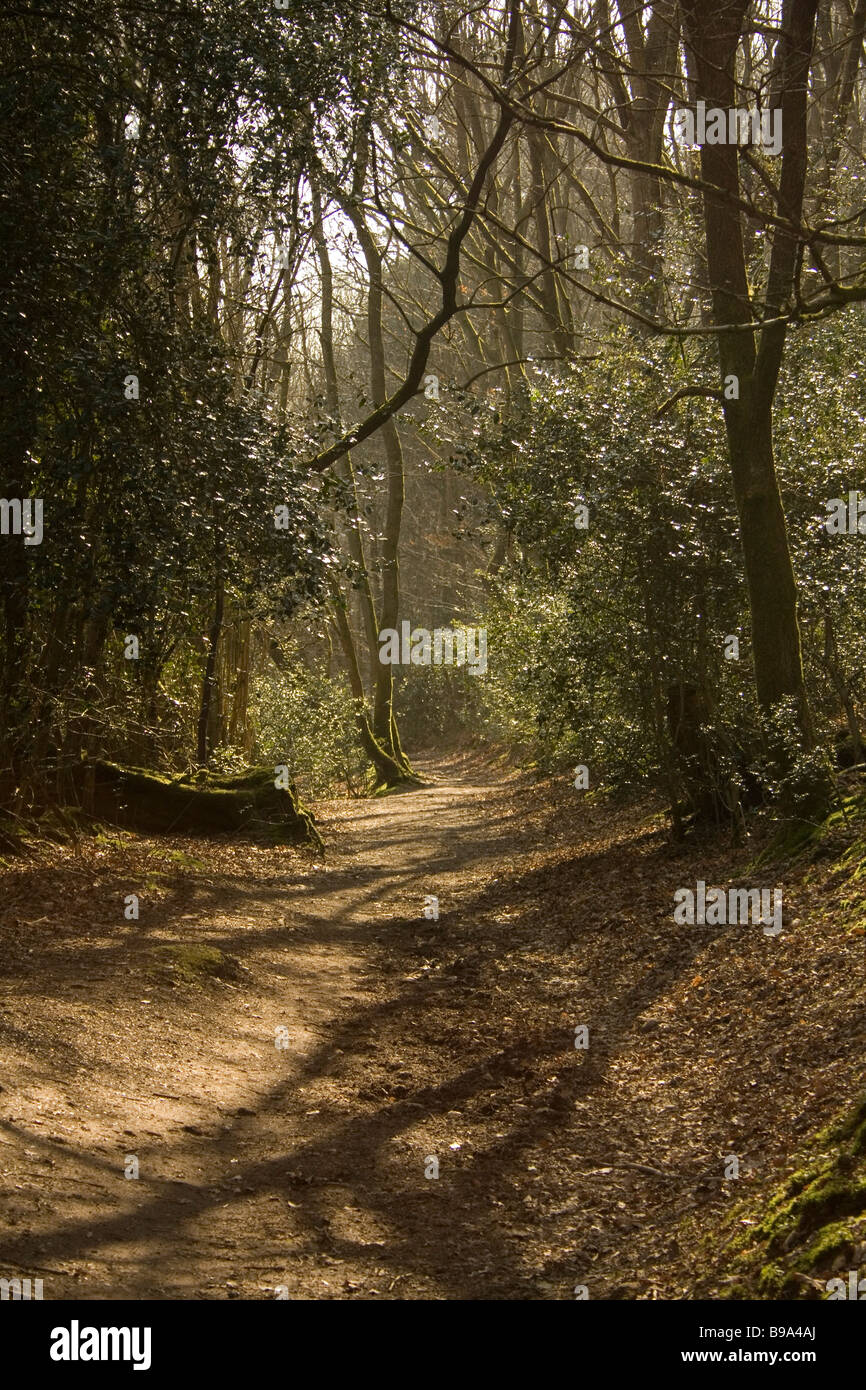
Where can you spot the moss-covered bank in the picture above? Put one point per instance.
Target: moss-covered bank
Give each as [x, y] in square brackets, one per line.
[814, 1226]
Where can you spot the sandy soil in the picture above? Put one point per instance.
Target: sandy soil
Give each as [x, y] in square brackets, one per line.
[302, 1168]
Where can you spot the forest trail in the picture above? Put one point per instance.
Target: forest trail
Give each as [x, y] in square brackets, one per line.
[303, 1168]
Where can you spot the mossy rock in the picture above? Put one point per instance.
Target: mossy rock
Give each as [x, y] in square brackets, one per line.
[195, 964]
[814, 1223]
[248, 803]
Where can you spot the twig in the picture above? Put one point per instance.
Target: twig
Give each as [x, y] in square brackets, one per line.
[646, 1168]
[710, 392]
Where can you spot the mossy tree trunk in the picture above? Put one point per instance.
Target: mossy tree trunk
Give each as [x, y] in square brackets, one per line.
[388, 771]
[247, 803]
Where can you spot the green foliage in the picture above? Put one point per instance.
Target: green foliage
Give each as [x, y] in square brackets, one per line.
[595, 630]
[306, 720]
[437, 706]
[606, 619]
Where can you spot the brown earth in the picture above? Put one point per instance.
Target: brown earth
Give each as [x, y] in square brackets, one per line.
[303, 1168]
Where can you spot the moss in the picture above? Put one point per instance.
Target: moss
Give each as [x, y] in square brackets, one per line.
[828, 835]
[788, 842]
[815, 1216]
[832, 1240]
[252, 779]
[195, 963]
[772, 1280]
[247, 803]
[735, 1291]
[851, 1129]
[186, 861]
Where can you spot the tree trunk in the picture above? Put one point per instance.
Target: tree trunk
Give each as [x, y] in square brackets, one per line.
[772, 589]
[209, 682]
[750, 368]
[383, 694]
[389, 772]
[842, 686]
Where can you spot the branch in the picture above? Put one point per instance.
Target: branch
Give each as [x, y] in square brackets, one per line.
[708, 391]
[448, 278]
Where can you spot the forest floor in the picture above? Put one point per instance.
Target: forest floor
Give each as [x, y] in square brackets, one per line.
[263, 1168]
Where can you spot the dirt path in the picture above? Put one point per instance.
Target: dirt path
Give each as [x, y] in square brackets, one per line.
[306, 1168]
[259, 1167]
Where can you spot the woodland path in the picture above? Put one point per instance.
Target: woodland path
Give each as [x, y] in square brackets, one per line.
[304, 1168]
